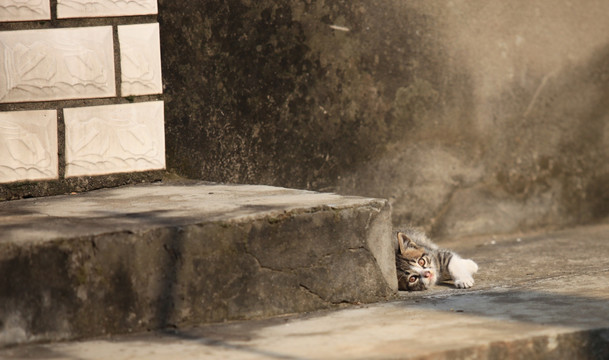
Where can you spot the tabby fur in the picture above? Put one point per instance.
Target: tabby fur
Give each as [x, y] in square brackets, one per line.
[421, 264]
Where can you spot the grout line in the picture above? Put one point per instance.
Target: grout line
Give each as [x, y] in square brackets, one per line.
[61, 144]
[117, 61]
[53, 5]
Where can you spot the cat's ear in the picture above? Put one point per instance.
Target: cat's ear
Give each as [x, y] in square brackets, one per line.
[404, 242]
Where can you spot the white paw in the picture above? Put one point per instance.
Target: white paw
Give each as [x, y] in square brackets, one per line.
[461, 271]
[471, 266]
[464, 283]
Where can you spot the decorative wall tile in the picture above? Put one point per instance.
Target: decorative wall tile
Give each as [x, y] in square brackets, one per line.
[140, 59]
[114, 138]
[95, 8]
[24, 10]
[54, 64]
[28, 145]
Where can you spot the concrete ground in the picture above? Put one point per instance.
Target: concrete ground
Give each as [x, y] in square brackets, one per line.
[537, 296]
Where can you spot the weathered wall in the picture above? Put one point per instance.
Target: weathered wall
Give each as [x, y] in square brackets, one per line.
[471, 117]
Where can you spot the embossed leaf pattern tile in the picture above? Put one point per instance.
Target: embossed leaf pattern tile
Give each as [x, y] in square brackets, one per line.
[140, 59]
[24, 10]
[94, 8]
[54, 64]
[114, 138]
[28, 145]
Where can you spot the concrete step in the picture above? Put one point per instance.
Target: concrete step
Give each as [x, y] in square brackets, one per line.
[539, 296]
[172, 255]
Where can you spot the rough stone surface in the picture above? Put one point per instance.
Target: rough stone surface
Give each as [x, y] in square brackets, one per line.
[470, 117]
[537, 296]
[168, 255]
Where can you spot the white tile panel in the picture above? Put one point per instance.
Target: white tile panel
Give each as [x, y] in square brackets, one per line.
[114, 138]
[55, 64]
[24, 10]
[99, 8]
[140, 59]
[28, 145]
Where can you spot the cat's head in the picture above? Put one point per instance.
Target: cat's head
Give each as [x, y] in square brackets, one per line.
[415, 266]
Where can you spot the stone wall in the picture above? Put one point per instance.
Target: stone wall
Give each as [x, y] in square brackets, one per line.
[79, 95]
[470, 116]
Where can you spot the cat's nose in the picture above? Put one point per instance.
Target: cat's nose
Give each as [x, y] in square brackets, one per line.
[426, 274]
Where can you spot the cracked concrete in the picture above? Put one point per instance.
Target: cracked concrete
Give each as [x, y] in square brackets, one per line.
[171, 255]
[537, 296]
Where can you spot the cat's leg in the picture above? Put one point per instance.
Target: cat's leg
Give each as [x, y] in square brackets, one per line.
[461, 271]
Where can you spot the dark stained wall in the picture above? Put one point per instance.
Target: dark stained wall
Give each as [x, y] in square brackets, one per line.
[305, 93]
[268, 92]
[471, 117]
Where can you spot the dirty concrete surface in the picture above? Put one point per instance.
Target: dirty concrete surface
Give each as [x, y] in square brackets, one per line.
[537, 296]
[149, 206]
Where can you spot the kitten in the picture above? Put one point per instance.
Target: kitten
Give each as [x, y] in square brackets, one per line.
[421, 264]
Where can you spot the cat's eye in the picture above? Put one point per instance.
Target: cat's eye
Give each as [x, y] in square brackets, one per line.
[422, 262]
[412, 279]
